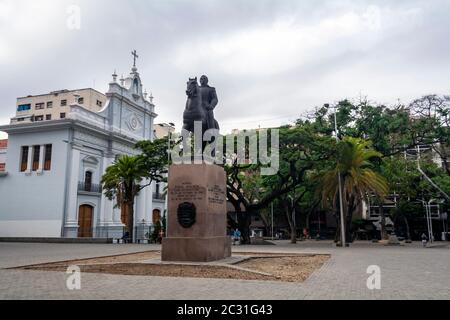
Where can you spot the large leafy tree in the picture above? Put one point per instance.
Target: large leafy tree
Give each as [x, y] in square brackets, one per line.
[354, 158]
[392, 129]
[301, 149]
[155, 159]
[431, 120]
[122, 181]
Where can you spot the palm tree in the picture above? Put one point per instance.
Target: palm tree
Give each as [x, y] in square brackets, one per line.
[358, 177]
[122, 181]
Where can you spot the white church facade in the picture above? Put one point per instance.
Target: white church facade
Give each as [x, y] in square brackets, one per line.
[50, 184]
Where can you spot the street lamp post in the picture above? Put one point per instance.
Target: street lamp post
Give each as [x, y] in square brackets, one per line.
[428, 218]
[341, 205]
[272, 220]
[431, 221]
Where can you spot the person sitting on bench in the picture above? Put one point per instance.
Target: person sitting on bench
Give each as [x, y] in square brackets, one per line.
[126, 237]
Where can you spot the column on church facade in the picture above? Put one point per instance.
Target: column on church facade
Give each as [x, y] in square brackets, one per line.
[117, 216]
[107, 206]
[140, 205]
[41, 158]
[149, 204]
[110, 217]
[141, 218]
[71, 224]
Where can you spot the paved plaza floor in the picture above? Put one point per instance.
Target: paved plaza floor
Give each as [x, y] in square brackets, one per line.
[407, 272]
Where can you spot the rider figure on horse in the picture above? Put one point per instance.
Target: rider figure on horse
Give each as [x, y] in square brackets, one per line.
[209, 102]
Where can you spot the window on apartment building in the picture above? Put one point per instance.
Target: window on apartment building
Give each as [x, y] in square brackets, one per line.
[36, 154]
[24, 107]
[48, 117]
[24, 159]
[39, 118]
[62, 115]
[80, 100]
[39, 106]
[50, 104]
[99, 103]
[63, 103]
[48, 157]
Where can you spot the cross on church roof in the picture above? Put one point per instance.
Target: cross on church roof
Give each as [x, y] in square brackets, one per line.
[135, 56]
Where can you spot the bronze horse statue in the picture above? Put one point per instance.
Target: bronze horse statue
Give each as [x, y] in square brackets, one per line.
[194, 111]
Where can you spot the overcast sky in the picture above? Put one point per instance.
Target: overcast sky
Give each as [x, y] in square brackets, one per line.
[270, 61]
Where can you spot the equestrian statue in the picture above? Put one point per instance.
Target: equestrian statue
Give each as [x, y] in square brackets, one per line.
[200, 105]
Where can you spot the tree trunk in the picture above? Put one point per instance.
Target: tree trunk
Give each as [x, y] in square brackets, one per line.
[293, 233]
[289, 215]
[337, 236]
[244, 221]
[267, 225]
[348, 226]
[349, 219]
[384, 235]
[131, 220]
[408, 234]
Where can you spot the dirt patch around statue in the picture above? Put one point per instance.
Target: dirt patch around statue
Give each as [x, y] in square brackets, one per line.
[246, 266]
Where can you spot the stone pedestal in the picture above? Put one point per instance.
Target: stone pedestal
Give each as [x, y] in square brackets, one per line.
[197, 214]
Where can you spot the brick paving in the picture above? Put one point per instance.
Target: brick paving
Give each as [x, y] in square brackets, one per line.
[409, 272]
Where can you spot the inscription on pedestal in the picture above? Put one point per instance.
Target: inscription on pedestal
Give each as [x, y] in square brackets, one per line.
[187, 192]
[191, 192]
[216, 195]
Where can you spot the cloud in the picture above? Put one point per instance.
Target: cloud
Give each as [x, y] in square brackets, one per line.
[24, 26]
[288, 43]
[269, 60]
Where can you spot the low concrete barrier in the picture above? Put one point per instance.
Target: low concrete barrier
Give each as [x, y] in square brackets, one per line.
[56, 240]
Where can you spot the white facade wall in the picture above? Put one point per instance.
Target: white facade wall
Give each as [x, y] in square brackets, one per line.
[32, 203]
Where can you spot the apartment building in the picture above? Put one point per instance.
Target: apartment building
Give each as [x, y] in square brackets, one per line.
[56, 105]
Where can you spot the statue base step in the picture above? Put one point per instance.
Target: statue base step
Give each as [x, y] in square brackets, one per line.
[196, 249]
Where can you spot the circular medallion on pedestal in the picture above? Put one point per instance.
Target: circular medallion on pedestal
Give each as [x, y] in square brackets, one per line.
[186, 214]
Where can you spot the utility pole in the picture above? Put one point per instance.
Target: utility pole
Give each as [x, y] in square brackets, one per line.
[341, 204]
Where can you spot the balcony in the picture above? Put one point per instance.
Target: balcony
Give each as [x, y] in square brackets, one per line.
[89, 187]
[159, 196]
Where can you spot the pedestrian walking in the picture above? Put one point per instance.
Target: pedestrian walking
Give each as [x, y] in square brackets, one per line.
[237, 237]
[424, 240]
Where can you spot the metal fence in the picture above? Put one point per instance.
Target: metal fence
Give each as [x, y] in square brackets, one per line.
[89, 187]
[159, 196]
